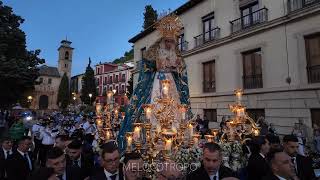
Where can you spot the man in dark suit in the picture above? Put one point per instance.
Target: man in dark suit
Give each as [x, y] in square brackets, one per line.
[111, 167]
[20, 164]
[280, 165]
[78, 162]
[133, 167]
[302, 164]
[56, 160]
[5, 152]
[257, 164]
[211, 168]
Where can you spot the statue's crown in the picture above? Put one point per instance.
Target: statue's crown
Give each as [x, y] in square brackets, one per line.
[169, 26]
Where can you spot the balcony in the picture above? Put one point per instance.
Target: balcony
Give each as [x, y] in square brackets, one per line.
[252, 81]
[207, 37]
[209, 86]
[314, 74]
[183, 46]
[250, 20]
[294, 5]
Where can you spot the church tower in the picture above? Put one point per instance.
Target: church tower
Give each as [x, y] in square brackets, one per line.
[65, 58]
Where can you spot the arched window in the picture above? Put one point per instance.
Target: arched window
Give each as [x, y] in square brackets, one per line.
[66, 55]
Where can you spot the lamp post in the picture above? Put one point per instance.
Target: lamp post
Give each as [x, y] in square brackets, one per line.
[74, 99]
[90, 95]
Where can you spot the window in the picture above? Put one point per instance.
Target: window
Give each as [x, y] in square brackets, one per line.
[182, 43]
[66, 55]
[40, 80]
[211, 114]
[315, 117]
[313, 57]
[110, 88]
[117, 88]
[105, 80]
[123, 89]
[252, 70]
[98, 70]
[143, 51]
[255, 114]
[209, 84]
[248, 16]
[49, 81]
[110, 79]
[117, 78]
[66, 65]
[123, 78]
[208, 26]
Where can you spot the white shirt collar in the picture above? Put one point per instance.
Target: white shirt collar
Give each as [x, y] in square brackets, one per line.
[108, 174]
[5, 151]
[262, 155]
[217, 175]
[280, 178]
[22, 153]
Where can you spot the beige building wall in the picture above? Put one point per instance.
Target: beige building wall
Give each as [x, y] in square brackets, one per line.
[282, 44]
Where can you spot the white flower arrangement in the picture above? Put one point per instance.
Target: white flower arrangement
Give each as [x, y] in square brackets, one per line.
[233, 155]
[188, 157]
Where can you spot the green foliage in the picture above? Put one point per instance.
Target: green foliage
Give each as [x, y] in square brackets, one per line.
[128, 55]
[150, 16]
[64, 93]
[18, 66]
[88, 85]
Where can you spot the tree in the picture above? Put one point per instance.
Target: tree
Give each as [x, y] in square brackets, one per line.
[64, 93]
[150, 16]
[130, 87]
[128, 55]
[88, 85]
[18, 66]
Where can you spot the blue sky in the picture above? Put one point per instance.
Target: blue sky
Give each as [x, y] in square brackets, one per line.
[99, 29]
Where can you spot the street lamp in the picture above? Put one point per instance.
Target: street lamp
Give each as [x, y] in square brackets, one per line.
[90, 95]
[29, 100]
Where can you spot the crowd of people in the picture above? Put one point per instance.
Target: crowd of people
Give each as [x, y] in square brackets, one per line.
[62, 147]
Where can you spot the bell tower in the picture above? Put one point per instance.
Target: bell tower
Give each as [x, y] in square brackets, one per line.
[65, 58]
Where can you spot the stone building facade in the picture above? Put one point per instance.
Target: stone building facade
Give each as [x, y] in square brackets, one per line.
[46, 93]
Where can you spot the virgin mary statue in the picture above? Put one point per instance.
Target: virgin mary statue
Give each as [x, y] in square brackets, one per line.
[162, 61]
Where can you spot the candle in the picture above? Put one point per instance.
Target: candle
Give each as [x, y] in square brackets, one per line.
[168, 145]
[107, 135]
[158, 128]
[109, 95]
[129, 141]
[183, 114]
[191, 130]
[148, 113]
[165, 90]
[136, 135]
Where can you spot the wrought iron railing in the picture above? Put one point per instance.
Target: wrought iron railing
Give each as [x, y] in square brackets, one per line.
[252, 19]
[252, 81]
[314, 74]
[209, 86]
[299, 4]
[183, 46]
[207, 36]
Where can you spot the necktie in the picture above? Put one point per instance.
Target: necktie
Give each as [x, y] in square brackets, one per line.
[27, 160]
[8, 153]
[214, 178]
[113, 177]
[293, 160]
[75, 163]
